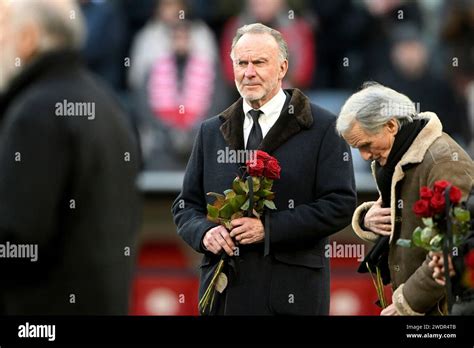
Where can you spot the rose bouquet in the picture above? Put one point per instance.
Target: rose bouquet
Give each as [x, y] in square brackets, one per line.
[431, 207]
[236, 201]
[249, 195]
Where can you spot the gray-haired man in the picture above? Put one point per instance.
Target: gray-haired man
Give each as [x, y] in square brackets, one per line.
[408, 150]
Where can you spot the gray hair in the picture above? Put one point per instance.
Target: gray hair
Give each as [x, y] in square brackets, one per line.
[374, 106]
[259, 28]
[61, 22]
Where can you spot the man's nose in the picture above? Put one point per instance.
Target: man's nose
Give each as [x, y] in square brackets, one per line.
[250, 71]
[366, 155]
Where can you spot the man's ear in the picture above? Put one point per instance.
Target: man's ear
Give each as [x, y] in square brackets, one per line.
[283, 69]
[392, 126]
[29, 39]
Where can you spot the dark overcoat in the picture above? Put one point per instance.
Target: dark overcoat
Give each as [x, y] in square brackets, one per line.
[315, 197]
[67, 185]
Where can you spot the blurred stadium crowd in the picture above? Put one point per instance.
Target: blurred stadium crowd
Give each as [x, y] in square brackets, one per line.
[168, 60]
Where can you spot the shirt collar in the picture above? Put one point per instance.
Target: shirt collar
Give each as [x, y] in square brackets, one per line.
[273, 106]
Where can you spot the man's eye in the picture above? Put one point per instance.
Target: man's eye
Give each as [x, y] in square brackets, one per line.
[242, 63]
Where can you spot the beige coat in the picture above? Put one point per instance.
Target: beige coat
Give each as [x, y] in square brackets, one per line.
[432, 156]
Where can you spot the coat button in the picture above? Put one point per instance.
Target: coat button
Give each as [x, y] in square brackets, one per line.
[396, 268]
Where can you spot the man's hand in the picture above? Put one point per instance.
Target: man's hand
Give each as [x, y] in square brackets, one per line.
[218, 238]
[378, 220]
[437, 266]
[389, 311]
[247, 230]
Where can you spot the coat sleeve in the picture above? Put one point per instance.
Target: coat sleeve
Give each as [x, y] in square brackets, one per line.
[334, 201]
[420, 292]
[189, 208]
[35, 157]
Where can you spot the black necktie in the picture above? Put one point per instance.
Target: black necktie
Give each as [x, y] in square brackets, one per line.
[255, 136]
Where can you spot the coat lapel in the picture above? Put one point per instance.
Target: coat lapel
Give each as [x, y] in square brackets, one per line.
[233, 126]
[295, 116]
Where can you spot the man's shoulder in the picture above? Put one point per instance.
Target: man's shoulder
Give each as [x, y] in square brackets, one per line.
[309, 113]
[212, 123]
[322, 113]
[322, 118]
[445, 148]
[44, 100]
[444, 151]
[32, 103]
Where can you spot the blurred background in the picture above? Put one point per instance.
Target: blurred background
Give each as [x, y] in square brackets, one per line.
[159, 56]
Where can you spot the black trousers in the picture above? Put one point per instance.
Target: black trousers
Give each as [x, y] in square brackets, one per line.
[266, 286]
[248, 288]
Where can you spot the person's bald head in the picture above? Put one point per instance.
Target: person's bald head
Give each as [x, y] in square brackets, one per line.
[31, 27]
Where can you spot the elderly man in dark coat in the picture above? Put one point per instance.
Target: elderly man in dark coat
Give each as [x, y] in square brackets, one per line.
[281, 268]
[68, 162]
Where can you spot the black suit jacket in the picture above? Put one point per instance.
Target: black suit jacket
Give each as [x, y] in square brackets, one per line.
[315, 196]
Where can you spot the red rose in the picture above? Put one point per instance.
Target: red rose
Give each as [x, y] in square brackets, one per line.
[440, 186]
[469, 259]
[256, 167]
[438, 203]
[426, 193]
[422, 208]
[272, 169]
[262, 155]
[455, 195]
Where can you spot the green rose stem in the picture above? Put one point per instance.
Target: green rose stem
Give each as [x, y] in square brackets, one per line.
[378, 283]
[210, 293]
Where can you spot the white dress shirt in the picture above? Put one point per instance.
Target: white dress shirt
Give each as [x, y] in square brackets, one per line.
[270, 112]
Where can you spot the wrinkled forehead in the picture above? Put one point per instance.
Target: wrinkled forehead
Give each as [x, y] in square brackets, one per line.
[356, 135]
[251, 44]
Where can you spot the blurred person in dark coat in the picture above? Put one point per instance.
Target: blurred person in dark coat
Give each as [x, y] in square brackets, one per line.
[104, 46]
[382, 17]
[68, 163]
[457, 32]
